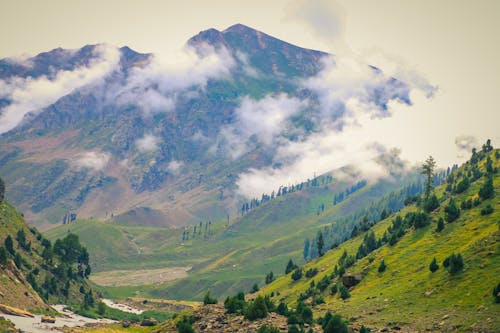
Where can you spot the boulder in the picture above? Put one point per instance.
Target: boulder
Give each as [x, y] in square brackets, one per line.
[48, 319]
[350, 280]
[149, 322]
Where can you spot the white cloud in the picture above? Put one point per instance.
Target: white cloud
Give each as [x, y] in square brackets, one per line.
[153, 86]
[175, 167]
[92, 160]
[32, 95]
[147, 143]
[266, 119]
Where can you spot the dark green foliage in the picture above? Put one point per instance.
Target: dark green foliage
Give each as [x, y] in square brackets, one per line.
[333, 324]
[18, 260]
[293, 329]
[9, 244]
[292, 319]
[306, 248]
[489, 166]
[235, 304]
[256, 309]
[454, 263]
[451, 211]
[440, 225]
[311, 272]
[297, 274]
[496, 293]
[2, 190]
[487, 210]
[433, 265]
[268, 329]
[428, 171]
[323, 283]
[344, 292]
[320, 243]
[185, 325]
[290, 266]
[88, 300]
[208, 299]
[3, 256]
[382, 267]
[269, 277]
[463, 185]
[333, 289]
[255, 288]
[282, 309]
[363, 329]
[431, 204]
[487, 191]
[101, 308]
[417, 219]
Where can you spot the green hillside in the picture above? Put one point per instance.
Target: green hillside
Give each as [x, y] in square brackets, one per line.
[33, 271]
[407, 293]
[225, 258]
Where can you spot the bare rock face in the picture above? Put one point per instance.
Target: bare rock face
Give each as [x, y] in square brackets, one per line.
[48, 319]
[350, 280]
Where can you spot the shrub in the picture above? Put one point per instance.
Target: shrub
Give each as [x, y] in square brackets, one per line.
[209, 300]
[431, 204]
[451, 211]
[344, 292]
[256, 309]
[440, 225]
[282, 309]
[297, 274]
[311, 272]
[454, 263]
[236, 303]
[382, 266]
[268, 329]
[496, 293]
[334, 324]
[433, 265]
[255, 288]
[487, 210]
[184, 325]
[487, 191]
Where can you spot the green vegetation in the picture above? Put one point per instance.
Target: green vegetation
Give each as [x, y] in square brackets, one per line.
[209, 299]
[416, 292]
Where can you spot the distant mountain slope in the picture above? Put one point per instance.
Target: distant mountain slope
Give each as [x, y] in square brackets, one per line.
[407, 295]
[102, 132]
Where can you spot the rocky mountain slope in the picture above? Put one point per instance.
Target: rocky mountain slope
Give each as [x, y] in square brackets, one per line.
[115, 134]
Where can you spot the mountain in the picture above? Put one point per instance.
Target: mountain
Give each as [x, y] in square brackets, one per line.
[406, 294]
[117, 135]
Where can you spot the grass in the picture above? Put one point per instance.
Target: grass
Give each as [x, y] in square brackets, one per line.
[407, 293]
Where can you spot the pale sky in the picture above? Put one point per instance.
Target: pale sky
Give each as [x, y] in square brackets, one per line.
[454, 45]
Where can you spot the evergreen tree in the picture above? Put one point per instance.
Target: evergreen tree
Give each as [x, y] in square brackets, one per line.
[320, 244]
[255, 288]
[487, 191]
[269, 277]
[344, 292]
[431, 204]
[256, 309]
[428, 171]
[451, 211]
[2, 190]
[3, 256]
[335, 325]
[297, 274]
[290, 266]
[454, 263]
[208, 299]
[9, 244]
[382, 266]
[440, 225]
[433, 266]
[496, 293]
[306, 248]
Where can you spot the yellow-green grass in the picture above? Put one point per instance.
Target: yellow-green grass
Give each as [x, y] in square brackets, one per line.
[407, 292]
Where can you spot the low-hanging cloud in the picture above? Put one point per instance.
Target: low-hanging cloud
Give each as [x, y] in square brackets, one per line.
[96, 161]
[263, 120]
[32, 95]
[147, 143]
[153, 87]
[352, 105]
[464, 144]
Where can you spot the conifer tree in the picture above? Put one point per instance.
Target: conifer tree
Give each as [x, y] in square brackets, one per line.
[433, 266]
[320, 244]
[428, 171]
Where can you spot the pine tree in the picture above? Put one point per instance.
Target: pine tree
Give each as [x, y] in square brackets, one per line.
[487, 191]
[440, 225]
[433, 266]
[382, 266]
[2, 190]
[451, 211]
[320, 244]
[428, 171]
[3, 256]
[9, 244]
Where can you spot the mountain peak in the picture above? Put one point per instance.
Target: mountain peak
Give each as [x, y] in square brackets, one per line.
[238, 27]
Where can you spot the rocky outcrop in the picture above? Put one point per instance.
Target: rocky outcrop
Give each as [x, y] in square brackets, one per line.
[14, 311]
[350, 280]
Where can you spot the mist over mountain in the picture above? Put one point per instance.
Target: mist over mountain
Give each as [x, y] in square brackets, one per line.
[105, 131]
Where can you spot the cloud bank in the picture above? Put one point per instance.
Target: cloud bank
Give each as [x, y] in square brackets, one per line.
[147, 143]
[32, 95]
[96, 161]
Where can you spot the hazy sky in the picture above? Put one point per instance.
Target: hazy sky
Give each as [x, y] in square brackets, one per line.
[454, 45]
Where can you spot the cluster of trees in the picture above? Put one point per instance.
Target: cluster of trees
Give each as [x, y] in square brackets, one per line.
[65, 263]
[284, 190]
[197, 231]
